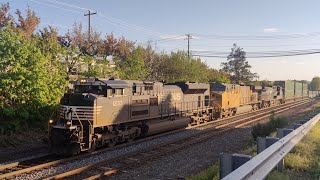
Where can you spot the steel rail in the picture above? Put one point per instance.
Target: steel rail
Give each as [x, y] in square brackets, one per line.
[17, 171]
[114, 165]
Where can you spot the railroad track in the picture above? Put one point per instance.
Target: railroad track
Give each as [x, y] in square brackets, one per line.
[45, 161]
[132, 159]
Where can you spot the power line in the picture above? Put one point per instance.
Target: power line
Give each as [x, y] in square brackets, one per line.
[112, 19]
[255, 37]
[262, 56]
[45, 4]
[259, 53]
[244, 46]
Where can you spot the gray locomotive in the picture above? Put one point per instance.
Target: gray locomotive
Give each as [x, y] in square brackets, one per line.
[105, 112]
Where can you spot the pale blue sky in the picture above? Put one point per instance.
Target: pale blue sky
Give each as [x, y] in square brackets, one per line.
[144, 20]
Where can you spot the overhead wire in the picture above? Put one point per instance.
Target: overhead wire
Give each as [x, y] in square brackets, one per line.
[260, 37]
[45, 4]
[111, 20]
[267, 56]
[118, 22]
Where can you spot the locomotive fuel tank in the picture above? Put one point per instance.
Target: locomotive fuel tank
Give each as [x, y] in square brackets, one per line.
[165, 125]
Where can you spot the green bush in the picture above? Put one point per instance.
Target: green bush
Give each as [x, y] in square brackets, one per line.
[32, 80]
[263, 130]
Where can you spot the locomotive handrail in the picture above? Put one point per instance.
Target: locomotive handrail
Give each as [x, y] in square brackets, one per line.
[81, 135]
[87, 118]
[263, 163]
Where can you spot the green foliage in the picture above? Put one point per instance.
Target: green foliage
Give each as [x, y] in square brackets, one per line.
[238, 66]
[315, 84]
[178, 67]
[263, 130]
[21, 71]
[303, 161]
[133, 66]
[275, 175]
[212, 173]
[262, 83]
[30, 83]
[218, 76]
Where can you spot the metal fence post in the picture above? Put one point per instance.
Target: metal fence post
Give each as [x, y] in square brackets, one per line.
[229, 163]
[265, 142]
[280, 134]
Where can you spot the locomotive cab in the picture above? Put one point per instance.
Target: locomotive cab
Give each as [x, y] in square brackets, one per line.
[72, 131]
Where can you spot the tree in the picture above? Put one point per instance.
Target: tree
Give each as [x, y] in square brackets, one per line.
[218, 76]
[30, 82]
[238, 66]
[5, 18]
[315, 83]
[153, 61]
[27, 25]
[133, 66]
[47, 41]
[178, 67]
[262, 83]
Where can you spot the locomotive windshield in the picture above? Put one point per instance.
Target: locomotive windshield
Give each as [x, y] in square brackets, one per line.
[94, 89]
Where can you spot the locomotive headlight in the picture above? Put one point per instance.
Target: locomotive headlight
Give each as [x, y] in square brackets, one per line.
[50, 121]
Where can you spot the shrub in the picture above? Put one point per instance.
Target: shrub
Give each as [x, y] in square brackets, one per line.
[263, 130]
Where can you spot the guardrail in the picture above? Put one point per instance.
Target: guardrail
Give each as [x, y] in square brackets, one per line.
[263, 163]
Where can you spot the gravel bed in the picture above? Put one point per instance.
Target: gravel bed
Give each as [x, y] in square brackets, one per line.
[106, 155]
[196, 158]
[177, 165]
[8, 156]
[189, 160]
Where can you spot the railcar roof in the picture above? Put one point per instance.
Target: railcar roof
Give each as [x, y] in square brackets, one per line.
[171, 87]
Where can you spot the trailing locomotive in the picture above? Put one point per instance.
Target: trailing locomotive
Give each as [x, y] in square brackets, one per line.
[105, 112]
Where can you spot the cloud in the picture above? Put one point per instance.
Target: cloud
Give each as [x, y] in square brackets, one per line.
[270, 30]
[283, 62]
[176, 36]
[198, 49]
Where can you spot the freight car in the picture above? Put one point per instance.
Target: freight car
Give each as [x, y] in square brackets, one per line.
[105, 112]
[293, 90]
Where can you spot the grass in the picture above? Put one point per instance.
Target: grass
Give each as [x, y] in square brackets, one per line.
[303, 162]
[300, 163]
[212, 173]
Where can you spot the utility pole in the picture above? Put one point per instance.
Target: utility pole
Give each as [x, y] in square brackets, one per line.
[188, 38]
[89, 24]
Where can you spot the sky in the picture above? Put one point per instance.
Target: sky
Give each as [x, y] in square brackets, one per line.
[255, 26]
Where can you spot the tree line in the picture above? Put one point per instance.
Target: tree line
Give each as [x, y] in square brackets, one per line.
[36, 66]
[36, 63]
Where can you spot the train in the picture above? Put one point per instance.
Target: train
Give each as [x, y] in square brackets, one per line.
[104, 112]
